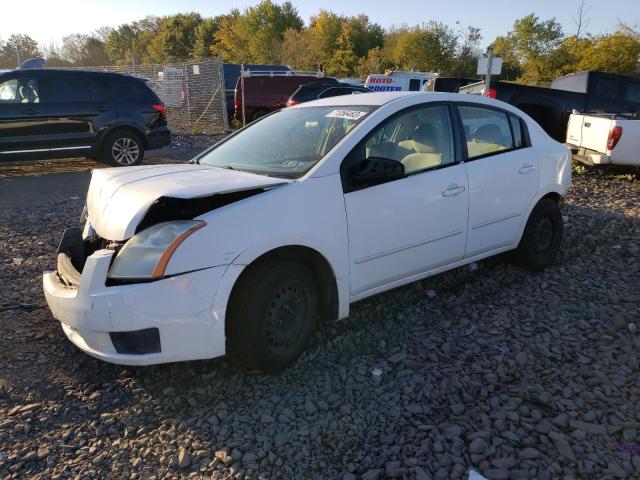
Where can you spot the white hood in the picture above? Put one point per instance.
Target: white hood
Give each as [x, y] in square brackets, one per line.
[118, 198]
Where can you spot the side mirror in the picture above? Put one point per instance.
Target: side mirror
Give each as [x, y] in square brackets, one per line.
[377, 170]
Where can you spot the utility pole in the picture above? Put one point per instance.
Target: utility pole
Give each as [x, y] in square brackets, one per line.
[18, 54]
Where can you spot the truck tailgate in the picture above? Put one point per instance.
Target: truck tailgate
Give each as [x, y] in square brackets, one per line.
[595, 133]
[574, 129]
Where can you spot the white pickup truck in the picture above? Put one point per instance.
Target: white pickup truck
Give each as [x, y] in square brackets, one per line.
[604, 139]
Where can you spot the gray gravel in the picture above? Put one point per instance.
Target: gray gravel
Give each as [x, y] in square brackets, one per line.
[514, 374]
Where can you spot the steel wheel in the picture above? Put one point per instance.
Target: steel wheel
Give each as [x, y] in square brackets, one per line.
[125, 151]
[543, 235]
[286, 317]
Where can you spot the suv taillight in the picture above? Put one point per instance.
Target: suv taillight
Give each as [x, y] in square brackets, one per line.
[160, 108]
[614, 137]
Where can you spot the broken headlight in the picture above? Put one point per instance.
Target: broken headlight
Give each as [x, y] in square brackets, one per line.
[147, 253]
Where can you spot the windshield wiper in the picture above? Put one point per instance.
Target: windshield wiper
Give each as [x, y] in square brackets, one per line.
[226, 167]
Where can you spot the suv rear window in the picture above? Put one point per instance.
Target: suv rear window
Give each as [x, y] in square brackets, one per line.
[131, 89]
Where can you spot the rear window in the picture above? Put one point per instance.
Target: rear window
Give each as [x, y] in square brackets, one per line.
[633, 92]
[72, 90]
[571, 83]
[608, 88]
[131, 90]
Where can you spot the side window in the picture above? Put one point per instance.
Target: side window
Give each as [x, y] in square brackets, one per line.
[414, 84]
[633, 92]
[72, 90]
[419, 139]
[486, 131]
[131, 89]
[607, 88]
[516, 127]
[20, 90]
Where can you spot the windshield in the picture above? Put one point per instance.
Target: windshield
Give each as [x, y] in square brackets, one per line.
[288, 143]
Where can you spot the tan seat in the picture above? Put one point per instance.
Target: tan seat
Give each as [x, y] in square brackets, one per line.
[427, 145]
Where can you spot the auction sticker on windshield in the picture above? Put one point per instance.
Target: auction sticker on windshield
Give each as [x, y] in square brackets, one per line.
[348, 114]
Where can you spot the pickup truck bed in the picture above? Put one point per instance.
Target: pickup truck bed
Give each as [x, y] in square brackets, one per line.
[593, 92]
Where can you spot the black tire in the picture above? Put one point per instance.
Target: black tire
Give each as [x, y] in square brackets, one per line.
[542, 236]
[123, 148]
[272, 314]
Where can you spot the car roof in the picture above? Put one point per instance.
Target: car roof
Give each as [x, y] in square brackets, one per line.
[26, 71]
[377, 99]
[365, 99]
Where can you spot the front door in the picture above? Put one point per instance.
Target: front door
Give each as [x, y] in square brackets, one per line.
[503, 177]
[402, 228]
[23, 117]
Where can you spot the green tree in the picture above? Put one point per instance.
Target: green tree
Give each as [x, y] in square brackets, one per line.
[466, 60]
[137, 41]
[429, 47]
[178, 36]
[343, 62]
[204, 38]
[372, 63]
[255, 35]
[79, 49]
[26, 46]
[616, 53]
[528, 49]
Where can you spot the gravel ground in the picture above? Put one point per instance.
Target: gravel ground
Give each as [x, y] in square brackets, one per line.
[514, 374]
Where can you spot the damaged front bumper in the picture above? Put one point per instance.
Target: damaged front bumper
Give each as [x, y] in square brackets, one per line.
[167, 320]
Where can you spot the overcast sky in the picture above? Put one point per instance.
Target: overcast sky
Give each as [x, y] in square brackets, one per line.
[50, 20]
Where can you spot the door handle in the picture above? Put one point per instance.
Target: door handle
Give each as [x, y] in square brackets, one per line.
[527, 168]
[102, 109]
[587, 124]
[30, 111]
[453, 190]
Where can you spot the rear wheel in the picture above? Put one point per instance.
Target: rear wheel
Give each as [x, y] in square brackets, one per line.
[123, 149]
[272, 314]
[542, 236]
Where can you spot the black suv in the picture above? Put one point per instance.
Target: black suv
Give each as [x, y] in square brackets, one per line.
[314, 91]
[46, 113]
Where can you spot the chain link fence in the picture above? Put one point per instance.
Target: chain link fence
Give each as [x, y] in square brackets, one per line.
[193, 93]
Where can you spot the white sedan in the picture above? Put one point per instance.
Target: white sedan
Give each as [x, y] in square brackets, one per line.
[297, 216]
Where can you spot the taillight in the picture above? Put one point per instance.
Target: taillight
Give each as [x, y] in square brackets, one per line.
[292, 101]
[614, 137]
[160, 108]
[491, 93]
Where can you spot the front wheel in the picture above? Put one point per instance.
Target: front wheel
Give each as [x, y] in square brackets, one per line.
[542, 236]
[272, 314]
[123, 149]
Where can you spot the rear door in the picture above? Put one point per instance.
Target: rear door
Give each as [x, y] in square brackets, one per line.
[78, 110]
[23, 116]
[503, 176]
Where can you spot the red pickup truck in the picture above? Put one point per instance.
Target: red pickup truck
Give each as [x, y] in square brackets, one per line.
[267, 92]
